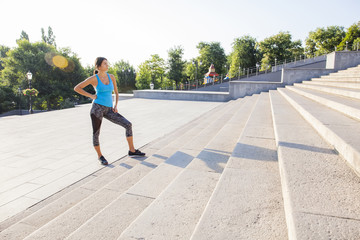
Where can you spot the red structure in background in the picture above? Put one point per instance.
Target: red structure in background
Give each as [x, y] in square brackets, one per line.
[210, 76]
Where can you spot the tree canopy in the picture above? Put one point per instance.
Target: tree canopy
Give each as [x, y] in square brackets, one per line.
[352, 34]
[244, 54]
[211, 53]
[55, 72]
[324, 40]
[124, 74]
[176, 64]
[279, 47]
[49, 38]
[151, 71]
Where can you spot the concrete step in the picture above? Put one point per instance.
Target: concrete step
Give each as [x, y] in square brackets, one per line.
[247, 201]
[341, 76]
[28, 224]
[353, 85]
[74, 217]
[137, 198]
[349, 80]
[346, 92]
[337, 129]
[345, 105]
[69, 221]
[347, 71]
[175, 213]
[321, 193]
[351, 69]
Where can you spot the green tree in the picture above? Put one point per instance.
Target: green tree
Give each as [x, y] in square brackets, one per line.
[23, 35]
[8, 99]
[352, 33]
[125, 76]
[151, 71]
[356, 44]
[324, 40]
[176, 65]
[53, 81]
[143, 76]
[279, 47]
[211, 53]
[190, 69]
[3, 51]
[89, 70]
[7, 96]
[244, 54]
[49, 38]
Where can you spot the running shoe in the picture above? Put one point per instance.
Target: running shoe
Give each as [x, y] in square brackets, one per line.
[137, 153]
[103, 160]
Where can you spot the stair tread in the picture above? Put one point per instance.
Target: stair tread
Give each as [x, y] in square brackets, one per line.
[354, 80]
[248, 195]
[175, 217]
[341, 131]
[346, 105]
[341, 75]
[328, 87]
[347, 92]
[141, 194]
[333, 84]
[64, 203]
[86, 209]
[320, 191]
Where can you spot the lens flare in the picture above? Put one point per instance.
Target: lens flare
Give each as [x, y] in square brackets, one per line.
[60, 61]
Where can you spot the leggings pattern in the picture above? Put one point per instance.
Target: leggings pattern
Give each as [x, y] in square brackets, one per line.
[98, 112]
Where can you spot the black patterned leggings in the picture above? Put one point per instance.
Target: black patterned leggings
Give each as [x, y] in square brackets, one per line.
[98, 112]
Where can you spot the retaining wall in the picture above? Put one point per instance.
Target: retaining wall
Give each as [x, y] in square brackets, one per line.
[183, 95]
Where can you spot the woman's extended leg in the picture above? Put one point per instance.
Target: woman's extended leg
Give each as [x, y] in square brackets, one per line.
[122, 121]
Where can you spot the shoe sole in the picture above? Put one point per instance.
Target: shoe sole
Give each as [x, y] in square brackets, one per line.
[136, 156]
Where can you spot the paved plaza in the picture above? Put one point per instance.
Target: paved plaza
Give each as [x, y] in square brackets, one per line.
[46, 152]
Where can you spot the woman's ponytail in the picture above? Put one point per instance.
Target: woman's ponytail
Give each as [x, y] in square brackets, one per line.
[96, 71]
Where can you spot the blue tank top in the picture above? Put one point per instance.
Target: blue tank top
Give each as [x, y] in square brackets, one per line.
[104, 92]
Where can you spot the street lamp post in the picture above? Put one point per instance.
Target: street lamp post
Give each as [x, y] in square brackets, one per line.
[129, 70]
[196, 70]
[239, 72]
[257, 68]
[19, 91]
[29, 77]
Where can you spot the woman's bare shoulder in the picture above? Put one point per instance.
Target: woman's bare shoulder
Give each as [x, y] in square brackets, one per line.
[92, 79]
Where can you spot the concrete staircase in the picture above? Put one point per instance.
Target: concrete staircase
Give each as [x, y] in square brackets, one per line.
[277, 165]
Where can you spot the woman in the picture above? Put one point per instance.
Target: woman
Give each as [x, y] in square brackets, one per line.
[104, 85]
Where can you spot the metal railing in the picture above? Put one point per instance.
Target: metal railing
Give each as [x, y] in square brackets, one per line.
[258, 70]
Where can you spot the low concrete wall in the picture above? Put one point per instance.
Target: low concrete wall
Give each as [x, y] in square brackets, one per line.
[183, 95]
[239, 89]
[266, 77]
[342, 60]
[296, 75]
[290, 76]
[276, 75]
[219, 87]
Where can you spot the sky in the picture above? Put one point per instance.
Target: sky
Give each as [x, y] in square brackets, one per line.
[133, 30]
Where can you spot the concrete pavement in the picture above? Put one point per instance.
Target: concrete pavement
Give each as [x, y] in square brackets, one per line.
[44, 153]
